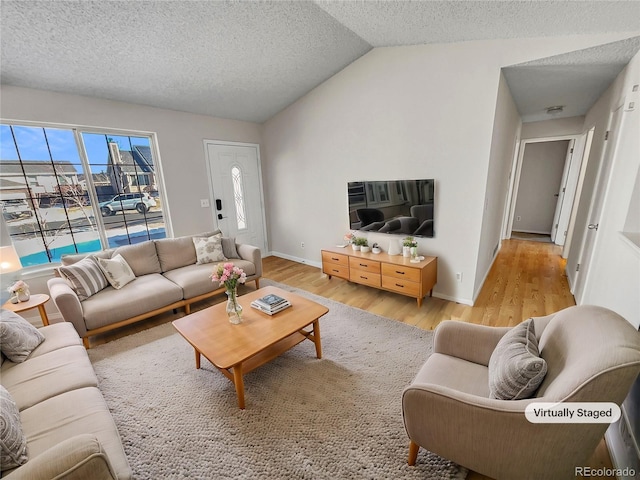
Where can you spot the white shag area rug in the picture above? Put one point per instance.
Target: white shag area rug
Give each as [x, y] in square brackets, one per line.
[334, 418]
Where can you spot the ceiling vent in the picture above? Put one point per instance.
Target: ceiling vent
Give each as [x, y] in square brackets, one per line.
[555, 109]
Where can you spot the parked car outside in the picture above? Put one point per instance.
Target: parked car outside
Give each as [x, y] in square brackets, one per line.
[141, 202]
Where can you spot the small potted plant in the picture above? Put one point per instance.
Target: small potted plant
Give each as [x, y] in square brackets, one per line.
[364, 245]
[408, 244]
[359, 242]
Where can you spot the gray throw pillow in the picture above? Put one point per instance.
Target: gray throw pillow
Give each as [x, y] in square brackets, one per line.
[516, 369]
[18, 338]
[229, 247]
[13, 444]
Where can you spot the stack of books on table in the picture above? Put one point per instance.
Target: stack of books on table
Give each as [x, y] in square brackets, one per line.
[271, 304]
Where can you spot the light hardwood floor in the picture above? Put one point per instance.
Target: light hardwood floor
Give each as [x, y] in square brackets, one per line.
[527, 279]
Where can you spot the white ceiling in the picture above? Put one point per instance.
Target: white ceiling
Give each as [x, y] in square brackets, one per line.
[248, 60]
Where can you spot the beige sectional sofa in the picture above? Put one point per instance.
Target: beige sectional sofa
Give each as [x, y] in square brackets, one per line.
[68, 428]
[167, 276]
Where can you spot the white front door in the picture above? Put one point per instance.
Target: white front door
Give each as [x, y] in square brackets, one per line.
[235, 182]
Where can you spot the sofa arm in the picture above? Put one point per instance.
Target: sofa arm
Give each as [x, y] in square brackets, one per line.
[68, 303]
[469, 341]
[76, 458]
[251, 254]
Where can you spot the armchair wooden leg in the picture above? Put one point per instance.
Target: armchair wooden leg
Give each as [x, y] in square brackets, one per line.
[413, 452]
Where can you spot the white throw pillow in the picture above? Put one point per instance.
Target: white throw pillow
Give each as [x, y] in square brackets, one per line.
[209, 249]
[18, 338]
[117, 271]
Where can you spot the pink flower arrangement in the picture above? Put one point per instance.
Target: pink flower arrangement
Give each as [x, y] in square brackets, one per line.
[228, 275]
[349, 237]
[18, 287]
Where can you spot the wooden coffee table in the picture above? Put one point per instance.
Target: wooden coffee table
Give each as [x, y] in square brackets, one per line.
[238, 349]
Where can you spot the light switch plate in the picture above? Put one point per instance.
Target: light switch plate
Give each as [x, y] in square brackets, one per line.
[204, 203]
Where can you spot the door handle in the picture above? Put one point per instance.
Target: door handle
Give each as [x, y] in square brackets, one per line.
[593, 226]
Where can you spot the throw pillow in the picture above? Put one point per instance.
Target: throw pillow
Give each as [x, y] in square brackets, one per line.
[18, 338]
[209, 250]
[13, 444]
[229, 247]
[117, 271]
[85, 277]
[516, 369]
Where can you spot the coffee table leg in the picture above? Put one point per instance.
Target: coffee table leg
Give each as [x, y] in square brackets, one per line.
[197, 358]
[237, 380]
[316, 338]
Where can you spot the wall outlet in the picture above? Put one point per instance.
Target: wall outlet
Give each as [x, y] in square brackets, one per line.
[301, 244]
[459, 276]
[518, 218]
[204, 203]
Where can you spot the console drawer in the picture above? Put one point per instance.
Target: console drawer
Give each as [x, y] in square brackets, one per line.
[401, 272]
[365, 278]
[334, 269]
[401, 286]
[366, 265]
[338, 258]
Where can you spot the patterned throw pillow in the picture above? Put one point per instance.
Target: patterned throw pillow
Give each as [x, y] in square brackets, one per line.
[13, 444]
[209, 250]
[515, 368]
[85, 277]
[117, 271]
[18, 338]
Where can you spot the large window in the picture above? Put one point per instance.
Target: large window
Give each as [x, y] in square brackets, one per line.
[65, 190]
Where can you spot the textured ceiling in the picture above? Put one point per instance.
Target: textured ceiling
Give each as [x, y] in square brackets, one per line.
[248, 60]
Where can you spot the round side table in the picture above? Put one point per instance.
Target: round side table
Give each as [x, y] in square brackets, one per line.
[36, 301]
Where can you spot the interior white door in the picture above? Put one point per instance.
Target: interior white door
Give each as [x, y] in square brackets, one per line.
[236, 190]
[559, 239]
[590, 230]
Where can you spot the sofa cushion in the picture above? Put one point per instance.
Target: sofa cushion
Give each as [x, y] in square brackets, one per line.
[116, 270]
[52, 422]
[141, 257]
[145, 294]
[229, 247]
[48, 375]
[56, 336]
[178, 252]
[18, 338]
[85, 277]
[209, 249]
[13, 443]
[515, 367]
[70, 259]
[195, 280]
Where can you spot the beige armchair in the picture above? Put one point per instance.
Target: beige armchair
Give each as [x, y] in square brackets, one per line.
[592, 354]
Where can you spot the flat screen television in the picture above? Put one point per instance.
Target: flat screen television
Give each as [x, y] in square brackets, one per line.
[394, 206]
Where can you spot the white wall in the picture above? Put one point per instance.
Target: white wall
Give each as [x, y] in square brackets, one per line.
[613, 280]
[180, 140]
[403, 112]
[553, 128]
[540, 179]
[505, 138]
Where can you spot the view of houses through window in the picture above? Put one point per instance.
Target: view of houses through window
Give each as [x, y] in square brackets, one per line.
[63, 190]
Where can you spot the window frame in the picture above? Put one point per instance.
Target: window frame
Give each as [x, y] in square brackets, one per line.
[77, 131]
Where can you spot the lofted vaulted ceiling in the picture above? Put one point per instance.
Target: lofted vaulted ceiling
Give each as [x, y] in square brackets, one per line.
[247, 60]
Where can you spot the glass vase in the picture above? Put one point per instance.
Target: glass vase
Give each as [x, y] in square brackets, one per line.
[234, 309]
[24, 296]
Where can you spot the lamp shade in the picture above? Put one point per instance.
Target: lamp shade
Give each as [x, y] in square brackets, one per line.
[9, 260]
